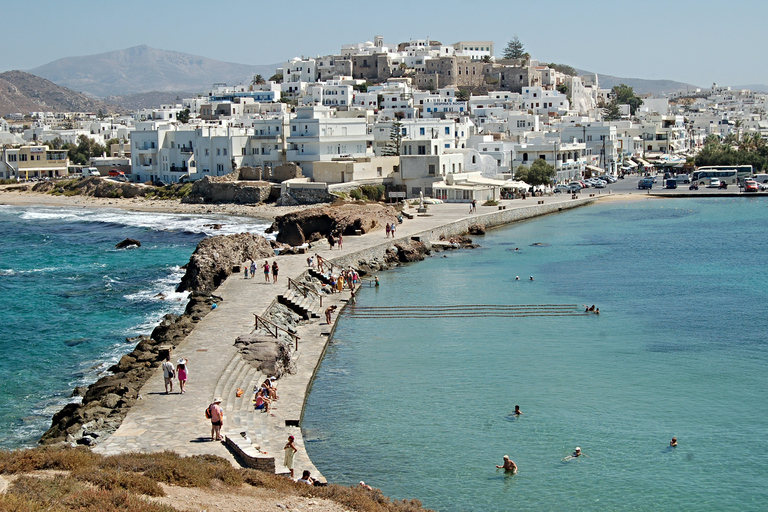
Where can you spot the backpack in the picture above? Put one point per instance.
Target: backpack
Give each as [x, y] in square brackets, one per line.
[208, 412]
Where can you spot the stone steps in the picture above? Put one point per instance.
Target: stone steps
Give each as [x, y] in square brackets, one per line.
[244, 407]
[232, 403]
[218, 389]
[318, 275]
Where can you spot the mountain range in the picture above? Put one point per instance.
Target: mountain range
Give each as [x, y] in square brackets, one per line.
[147, 77]
[143, 69]
[24, 92]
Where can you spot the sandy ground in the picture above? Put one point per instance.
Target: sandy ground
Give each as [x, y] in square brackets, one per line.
[219, 498]
[261, 211]
[252, 499]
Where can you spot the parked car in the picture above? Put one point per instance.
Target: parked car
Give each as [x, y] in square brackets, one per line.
[561, 189]
[645, 183]
[115, 172]
[760, 178]
[751, 186]
[683, 178]
[600, 184]
[91, 171]
[714, 183]
[670, 183]
[577, 185]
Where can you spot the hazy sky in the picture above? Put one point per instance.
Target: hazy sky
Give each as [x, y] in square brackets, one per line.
[698, 42]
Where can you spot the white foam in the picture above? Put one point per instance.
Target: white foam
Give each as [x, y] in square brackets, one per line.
[192, 223]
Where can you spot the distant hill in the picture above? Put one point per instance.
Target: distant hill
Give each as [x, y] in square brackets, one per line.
[143, 69]
[24, 92]
[640, 85]
[152, 99]
[752, 87]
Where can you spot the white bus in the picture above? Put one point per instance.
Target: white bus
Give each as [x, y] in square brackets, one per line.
[730, 174]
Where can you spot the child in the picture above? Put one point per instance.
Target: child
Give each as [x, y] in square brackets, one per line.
[181, 373]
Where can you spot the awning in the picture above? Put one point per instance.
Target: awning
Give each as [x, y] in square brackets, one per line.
[595, 169]
[629, 163]
[642, 162]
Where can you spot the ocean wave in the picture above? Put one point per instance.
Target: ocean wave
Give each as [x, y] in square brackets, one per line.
[7, 271]
[208, 224]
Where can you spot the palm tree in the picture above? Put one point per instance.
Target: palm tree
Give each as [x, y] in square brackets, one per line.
[258, 80]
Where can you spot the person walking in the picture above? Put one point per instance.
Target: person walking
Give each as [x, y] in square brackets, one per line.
[341, 241]
[275, 269]
[393, 230]
[217, 419]
[168, 374]
[290, 451]
[182, 373]
[388, 229]
[253, 269]
[266, 271]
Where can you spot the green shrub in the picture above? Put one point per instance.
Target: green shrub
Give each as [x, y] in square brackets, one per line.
[491, 202]
[356, 194]
[373, 192]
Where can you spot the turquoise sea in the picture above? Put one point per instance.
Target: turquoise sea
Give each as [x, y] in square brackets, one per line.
[70, 299]
[420, 407]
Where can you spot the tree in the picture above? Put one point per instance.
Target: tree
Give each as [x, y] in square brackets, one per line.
[625, 95]
[563, 68]
[541, 173]
[514, 50]
[100, 114]
[562, 89]
[486, 59]
[277, 78]
[462, 95]
[183, 116]
[258, 80]
[392, 148]
[610, 110]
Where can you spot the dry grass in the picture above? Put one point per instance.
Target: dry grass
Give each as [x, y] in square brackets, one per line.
[117, 482]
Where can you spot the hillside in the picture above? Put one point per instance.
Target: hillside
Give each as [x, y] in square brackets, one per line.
[153, 99]
[24, 92]
[142, 69]
[640, 85]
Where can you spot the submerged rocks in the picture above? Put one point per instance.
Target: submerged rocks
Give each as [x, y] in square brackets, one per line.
[215, 257]
[313, 224]
[128, 242]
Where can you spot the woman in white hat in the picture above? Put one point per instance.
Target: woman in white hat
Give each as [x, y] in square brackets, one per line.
[217, 419]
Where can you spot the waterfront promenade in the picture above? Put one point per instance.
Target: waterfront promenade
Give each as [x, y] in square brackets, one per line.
[176, 422]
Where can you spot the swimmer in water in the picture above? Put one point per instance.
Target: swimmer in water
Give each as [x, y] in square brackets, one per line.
[517, 278]
[508, 465]
[517, 410]
[577, 453]
[673, 442]
[531, 278]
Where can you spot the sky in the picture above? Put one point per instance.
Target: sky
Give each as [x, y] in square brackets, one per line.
[693, 41]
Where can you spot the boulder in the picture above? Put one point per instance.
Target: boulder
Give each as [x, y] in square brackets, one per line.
[214, 258]
[412, 251]
[227, 189]
[313, 224]
[476, 229]
[269, 356]
[128, 242]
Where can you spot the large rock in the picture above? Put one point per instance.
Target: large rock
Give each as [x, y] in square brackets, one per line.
[214, 258]
[128, 242]
[227, 189]
[315, 223]
[267, 355]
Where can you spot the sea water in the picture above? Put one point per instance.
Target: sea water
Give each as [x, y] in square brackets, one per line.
[70, 299]
[420, 407]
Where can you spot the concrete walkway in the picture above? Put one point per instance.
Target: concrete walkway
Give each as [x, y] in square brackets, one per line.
[176, 422]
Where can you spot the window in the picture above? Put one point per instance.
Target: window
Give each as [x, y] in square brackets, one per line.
[447, 130]
[379, 171]
[421, 130]
[589, 137]
[422, 149]
[224, 151]
[206, 151]
[431, 169]
[218, 151]
[294, 128]
[525, 157]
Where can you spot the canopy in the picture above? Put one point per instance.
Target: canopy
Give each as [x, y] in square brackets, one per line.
[516, 184]
[595, 169]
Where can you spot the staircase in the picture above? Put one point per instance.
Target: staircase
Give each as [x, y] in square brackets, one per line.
[308, 307]
[319, 275]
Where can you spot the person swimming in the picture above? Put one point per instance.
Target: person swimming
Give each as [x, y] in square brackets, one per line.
[517, 410]
[673, 442]
[577, 453]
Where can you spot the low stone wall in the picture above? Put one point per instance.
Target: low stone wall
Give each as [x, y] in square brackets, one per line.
[225, 190]
[249, 454]
[461, 227]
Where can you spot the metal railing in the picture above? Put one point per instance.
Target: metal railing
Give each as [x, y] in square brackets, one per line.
[302, 289]
[269, 325]
[321, 262]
